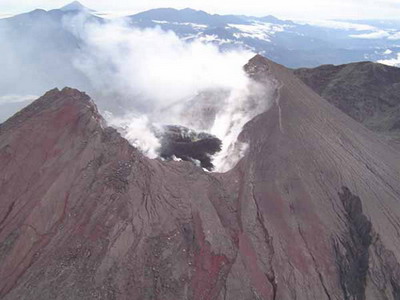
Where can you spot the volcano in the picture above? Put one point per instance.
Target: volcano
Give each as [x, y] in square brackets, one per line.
[76, 6]
[310, 212]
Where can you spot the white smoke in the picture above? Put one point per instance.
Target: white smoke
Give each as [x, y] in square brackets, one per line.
[240, 106]
[149, 78]
[138, 130]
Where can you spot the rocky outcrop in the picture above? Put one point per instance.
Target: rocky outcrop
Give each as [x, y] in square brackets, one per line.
[84, 215]
[353, 255]
[353, 259]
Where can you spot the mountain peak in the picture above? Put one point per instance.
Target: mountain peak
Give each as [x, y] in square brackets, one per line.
[191, 10]
[69, 186]
[54, 99]
[257, 66]
[75, 5]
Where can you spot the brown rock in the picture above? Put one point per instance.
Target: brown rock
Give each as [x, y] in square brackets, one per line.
[83, 215]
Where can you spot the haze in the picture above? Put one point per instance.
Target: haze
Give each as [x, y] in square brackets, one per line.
[307, 9]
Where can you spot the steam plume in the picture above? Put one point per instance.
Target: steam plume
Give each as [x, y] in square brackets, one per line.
[149, 78]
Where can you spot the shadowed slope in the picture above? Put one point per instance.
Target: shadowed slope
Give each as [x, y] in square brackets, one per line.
[368, 92]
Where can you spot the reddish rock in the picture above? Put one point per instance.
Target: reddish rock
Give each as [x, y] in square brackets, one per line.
[313, 205]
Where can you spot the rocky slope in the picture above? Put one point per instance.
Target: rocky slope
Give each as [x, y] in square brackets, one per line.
[311, 212]
[368, 92]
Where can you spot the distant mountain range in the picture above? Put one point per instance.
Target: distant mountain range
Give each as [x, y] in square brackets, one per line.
[289, 43]
[293, 44]
[40, 48]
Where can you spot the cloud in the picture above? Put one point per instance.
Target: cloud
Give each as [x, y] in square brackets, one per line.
[156, 65]
[149, 78]
[8, 99]
[391, 62]
[338, 25]
[380, 34]
[373, 32]
[10, 104]
[395, 36]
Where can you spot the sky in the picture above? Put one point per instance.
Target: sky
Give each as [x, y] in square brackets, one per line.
[289, 9]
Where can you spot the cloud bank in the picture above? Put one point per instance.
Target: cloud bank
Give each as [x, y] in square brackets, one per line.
[392, 61]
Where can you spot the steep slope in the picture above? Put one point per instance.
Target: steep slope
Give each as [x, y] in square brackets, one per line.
[311, 212]
[368, 92]
[325, 193]
[85, 216]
